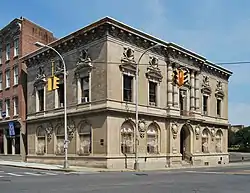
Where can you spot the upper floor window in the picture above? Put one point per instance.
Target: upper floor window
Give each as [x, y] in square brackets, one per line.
[40, 94]
[152, 93]
[1, 81]
[1, 108]
[205, 104]
[7, 51]
[15, 104]
[7, 78]
[16, 47]
[85, 89]
[127, 88]
[60, 92]
[15, 75]
[218, 107]
[7, 107]
[1, 55]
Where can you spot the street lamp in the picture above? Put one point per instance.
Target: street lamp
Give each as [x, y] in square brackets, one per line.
[136, 164]
[65, 165]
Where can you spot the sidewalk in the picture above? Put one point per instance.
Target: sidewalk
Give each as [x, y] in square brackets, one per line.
[96, 170]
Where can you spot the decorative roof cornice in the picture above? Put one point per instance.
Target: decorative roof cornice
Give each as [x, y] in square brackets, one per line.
[10, 29]
[110, 27]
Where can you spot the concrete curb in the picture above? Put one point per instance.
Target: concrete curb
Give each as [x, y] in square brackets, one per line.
[123, 170]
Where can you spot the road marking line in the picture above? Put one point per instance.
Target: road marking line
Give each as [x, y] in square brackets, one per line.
[51, 174]
[12, 174]
[1, 176]
[33, 174]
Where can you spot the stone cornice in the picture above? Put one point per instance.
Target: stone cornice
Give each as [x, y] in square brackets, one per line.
[10, 30]
[110, 27]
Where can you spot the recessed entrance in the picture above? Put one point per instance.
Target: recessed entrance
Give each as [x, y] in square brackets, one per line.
[185, 142]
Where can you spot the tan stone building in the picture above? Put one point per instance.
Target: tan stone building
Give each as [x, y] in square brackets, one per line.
[177, 126]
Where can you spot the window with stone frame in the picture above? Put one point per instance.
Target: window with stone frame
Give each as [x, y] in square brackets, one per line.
[15, 105]
[152, 92]
[16, 47]
[15, 70]
[1, 55]
[41, 141]
[7, 78]
[40, 94]
[127, 138]
[85, 89]
[205, 104]
[218, 137]
[1, 108]
[7, 51]
[60, 92]
[127, 88]
[218, 107]
[152, 139]
[205, 141]
[59, 139]
[84, 137]
[7, 107]
[183, 102]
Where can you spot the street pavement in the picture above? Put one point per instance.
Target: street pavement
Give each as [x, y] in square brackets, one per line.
[203, 180]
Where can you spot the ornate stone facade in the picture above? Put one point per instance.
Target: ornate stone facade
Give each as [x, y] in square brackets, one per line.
[177, 126]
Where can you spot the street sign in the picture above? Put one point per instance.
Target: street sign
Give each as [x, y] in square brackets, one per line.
[11, 129]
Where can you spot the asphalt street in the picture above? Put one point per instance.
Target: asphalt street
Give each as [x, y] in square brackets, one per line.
[206, 180]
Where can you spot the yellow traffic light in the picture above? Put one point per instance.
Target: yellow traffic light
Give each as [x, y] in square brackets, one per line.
[55, 82]
[49, 83]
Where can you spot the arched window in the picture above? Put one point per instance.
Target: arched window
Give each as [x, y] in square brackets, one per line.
[59, 139]
[41, 141]
[127, 138]
[218, 146]
[84, 133]
[205, 141]
[152, 139]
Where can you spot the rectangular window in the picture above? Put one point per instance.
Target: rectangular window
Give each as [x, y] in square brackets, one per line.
[16, 47]
[16, 110]
[1, 81]
[152, 93]
[1, 59]
[85, 89]
[1, 108]
[41, 99]
[60, 92]
[205, 102]
[218, 107]
[7, 51]
[7, 107]
[7, 78]
[15, 75]
[127, 88]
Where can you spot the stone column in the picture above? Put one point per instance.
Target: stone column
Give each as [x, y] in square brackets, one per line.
[176, 96]
[170, 85]
[192, 92]
[197, 92]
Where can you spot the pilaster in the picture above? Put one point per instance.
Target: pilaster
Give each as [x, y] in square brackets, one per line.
[192, 92]
[197, 92]
[170, 86]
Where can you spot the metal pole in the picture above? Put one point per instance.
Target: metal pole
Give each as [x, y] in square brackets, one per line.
[136, 164]
[65, 165]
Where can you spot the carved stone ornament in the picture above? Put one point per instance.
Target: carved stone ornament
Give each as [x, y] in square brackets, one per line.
[197, 131]
[84, 62]
[49, 131]
[213, 133]
[128, 61]
[174, 129]
[142, 128]
[153, 72]
[40, 80]
[206, 85]
[219, 93]
[71, 128]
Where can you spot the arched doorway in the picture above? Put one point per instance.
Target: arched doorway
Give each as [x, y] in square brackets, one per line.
[185, 142]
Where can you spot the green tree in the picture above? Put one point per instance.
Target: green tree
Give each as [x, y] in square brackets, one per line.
[242, 137]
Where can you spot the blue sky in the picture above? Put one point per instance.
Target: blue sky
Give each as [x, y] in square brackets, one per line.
[216, 29]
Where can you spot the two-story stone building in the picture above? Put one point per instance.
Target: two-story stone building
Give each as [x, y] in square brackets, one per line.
[178, 126]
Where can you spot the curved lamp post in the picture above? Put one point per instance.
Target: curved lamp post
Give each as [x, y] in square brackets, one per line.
[65, 165]
[136, 164]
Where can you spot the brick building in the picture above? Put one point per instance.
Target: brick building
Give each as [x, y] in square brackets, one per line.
[178, 126]
[16, 39]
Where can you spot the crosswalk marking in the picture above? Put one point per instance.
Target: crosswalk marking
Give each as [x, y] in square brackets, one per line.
[33, 174]
[12, 174]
